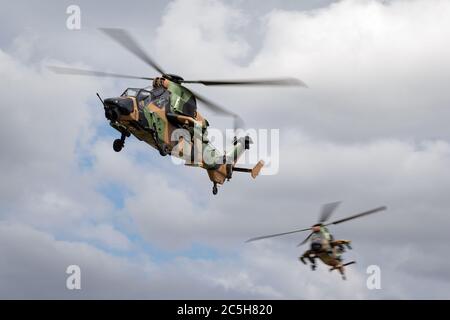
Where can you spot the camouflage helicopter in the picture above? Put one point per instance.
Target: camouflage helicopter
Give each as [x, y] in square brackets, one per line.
[165, 115]
[323, 245]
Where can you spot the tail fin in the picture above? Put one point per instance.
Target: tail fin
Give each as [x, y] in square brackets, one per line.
[253, 172]
[256, 169]
[239, 147]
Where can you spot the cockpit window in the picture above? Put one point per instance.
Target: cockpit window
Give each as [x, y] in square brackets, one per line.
[316, 236]
[161, 98]
[143, 97]
[130, 92]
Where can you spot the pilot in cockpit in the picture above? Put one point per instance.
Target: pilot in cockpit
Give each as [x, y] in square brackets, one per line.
[182, 101]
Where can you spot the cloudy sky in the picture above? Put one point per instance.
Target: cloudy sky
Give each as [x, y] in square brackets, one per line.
[371, 129]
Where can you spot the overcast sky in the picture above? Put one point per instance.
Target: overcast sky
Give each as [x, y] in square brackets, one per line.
[371, 129]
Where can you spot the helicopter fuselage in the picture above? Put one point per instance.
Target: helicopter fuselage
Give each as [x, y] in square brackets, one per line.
[155, 116]
[325, 248]
[322, 243]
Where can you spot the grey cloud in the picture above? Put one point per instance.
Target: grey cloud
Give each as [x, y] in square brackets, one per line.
[371, 130]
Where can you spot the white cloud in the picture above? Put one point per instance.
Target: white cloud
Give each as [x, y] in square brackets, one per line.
[380, 66]
[106, 235]
[42, 179]
[34, 264]
[201, 36]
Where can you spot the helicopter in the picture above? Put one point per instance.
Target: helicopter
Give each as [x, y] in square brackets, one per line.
[165, 114]
[323, 245]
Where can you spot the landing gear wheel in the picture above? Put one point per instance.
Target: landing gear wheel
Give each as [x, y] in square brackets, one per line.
[164, 150]
[215, 190]
[313, 267]
[118, 145]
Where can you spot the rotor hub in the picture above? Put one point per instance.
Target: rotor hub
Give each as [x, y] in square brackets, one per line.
[173, 77]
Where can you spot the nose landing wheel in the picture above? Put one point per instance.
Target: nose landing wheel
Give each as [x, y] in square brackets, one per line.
[214, 189]
[118, 144]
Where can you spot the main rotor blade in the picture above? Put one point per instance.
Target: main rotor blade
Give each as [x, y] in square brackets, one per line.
[327, 210]
[251, 82]
[238, 122]
[127, 41]
[82, 72]
[306, 240]
[358, 215]
[277, 235]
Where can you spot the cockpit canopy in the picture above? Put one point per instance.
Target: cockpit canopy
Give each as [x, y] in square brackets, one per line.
[141, 95]
[130, 92]
[158, 97]
[316, 236]
[183, 101]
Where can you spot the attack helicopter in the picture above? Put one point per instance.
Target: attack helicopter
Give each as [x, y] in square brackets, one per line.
[323, 245]
[165, 115]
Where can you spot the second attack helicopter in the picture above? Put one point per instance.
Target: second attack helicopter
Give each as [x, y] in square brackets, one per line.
[165, 115]
[323, 245]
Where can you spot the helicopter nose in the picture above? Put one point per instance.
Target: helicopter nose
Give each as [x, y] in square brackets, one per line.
[118, 106]
[111, 113]
[315, 246]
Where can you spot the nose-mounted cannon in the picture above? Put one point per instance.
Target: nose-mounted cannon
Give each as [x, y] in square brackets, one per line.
[114, 107]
